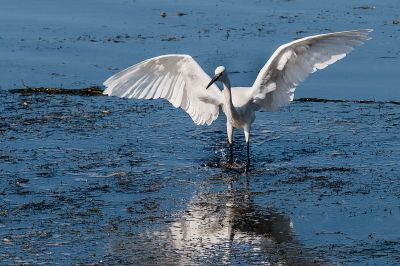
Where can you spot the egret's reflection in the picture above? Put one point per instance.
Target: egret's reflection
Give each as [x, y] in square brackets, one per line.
[219, 224]
[225, 226]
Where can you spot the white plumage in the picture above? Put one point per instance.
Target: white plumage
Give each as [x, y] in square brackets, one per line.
[181, 81]
[176, 78]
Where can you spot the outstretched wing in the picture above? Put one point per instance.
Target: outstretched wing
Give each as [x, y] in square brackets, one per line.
[176, 78]
[291, 63]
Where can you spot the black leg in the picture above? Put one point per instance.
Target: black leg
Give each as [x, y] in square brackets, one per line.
[248, 157]
[231, 151]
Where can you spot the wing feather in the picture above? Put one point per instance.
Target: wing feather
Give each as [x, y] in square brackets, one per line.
[291, 63]
[176, 78]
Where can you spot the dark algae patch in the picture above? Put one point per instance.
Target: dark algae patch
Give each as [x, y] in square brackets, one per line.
[97, 91]
[89, 91]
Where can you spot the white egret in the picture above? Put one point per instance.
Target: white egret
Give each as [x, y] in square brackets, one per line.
[181, 81]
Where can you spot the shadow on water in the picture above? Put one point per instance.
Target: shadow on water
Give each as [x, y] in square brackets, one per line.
[221, 225]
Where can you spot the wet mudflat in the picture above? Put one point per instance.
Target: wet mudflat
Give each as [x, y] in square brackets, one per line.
[87, 179]
[98, 179]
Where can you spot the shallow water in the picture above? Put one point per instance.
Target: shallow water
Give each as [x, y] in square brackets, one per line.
[113, 181]
[90, 179]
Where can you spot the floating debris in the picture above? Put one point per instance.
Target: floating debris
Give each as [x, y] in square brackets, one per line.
[170, 39]
[118, 174]
[4, 213]
[37, 206]
[106, 112]
[180, 14]
[56, 74]
[7, 241]
[364, 7]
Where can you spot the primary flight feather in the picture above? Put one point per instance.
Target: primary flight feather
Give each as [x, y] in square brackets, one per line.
[180, 80]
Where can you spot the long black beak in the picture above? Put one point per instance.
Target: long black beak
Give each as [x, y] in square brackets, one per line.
[214, 79]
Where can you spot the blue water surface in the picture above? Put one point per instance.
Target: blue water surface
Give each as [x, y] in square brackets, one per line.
[102, 180]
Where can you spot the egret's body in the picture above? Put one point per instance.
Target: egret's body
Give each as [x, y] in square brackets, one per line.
[180, 80]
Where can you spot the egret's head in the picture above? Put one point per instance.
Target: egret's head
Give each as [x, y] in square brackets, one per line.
[219, 70]
[219, 75]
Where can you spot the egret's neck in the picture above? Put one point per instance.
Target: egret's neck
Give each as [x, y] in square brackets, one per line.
[229, 108]
[227, 92]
